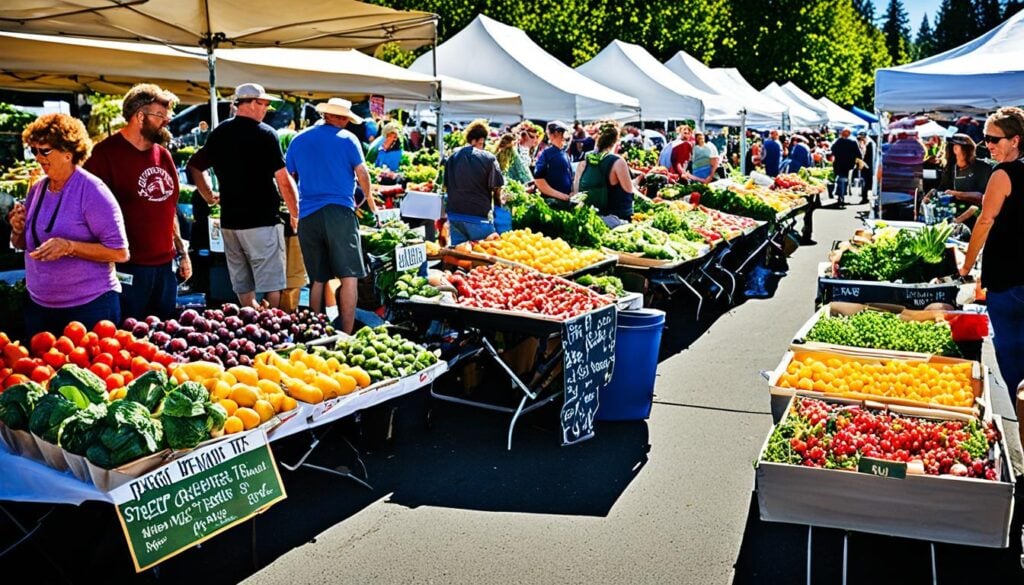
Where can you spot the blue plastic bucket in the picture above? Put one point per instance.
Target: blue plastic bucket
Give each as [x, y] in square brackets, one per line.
[637, 341]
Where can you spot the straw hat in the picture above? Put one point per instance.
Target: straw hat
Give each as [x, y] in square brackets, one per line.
[339, 107]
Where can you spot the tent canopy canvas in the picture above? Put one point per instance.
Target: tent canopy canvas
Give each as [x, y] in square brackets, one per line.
[662, 94]
[761, 111]
[799, 115]
[839, 117]
[504, 57]
[979, 76]
[805, 99]
[465, 100]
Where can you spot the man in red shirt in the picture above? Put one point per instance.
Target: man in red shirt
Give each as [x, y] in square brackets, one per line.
[143, 177]
[682, 151]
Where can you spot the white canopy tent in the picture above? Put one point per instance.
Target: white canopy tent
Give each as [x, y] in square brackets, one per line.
[761, 111]
[978, 76]
[807, 100]
[799, 115]
[838, 117]
[662, 94]
[504, 57]
[208, 24]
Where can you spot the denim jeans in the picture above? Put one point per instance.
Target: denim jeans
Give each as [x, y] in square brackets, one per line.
[463, 231]
[842, 184]
[153, 291]
[1006, 313]
[39, 318]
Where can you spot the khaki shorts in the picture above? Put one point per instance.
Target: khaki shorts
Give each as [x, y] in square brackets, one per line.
[296, 270]
[256, 259]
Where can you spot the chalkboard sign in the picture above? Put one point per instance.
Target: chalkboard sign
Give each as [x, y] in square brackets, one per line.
[912, 296]
[196, 497]
[882, 468]
[588, 344]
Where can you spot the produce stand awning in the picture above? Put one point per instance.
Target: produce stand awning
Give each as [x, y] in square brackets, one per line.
[981, 75]
[731, 77]
[465, 100]
[839, 117]
[35, 62]
[761, 111]
[506, 58]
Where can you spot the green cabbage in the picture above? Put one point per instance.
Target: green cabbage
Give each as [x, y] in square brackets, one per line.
[50, 412]
[17, 404]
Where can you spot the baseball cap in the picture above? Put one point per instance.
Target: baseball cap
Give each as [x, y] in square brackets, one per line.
[557, 126]
[252, 91]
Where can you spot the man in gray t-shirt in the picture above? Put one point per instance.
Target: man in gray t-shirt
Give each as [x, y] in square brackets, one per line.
[473, 181]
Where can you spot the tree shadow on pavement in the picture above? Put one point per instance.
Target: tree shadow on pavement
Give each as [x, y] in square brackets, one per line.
[776, 553]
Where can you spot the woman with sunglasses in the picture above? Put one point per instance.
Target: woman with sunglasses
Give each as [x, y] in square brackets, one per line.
[72, 231]
[998, 232]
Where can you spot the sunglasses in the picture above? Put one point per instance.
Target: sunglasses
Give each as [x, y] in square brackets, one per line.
[41, 151]
[994, 139]
[157, 115]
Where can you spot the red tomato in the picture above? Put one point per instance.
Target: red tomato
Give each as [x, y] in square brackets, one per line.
[64, 345]
[104, 358]
[163, 357]
[4, 372]
[109, 345]
[41, 374]
[80, 357]
[147, 350]
[114, 381]
[90, 339]
[42, 342]
[139, 366]
[123, 360]
[75, 331]
[4, 340]
[15, 379]
[101, 370]
[55, 359]
[14, 352]
[125, 338]
[128, 376]
[25, 366]
[105, 329]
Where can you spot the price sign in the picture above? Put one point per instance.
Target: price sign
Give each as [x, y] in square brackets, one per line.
[377, 106]
[196, 497]
[386, 215]
[882, 468]
[588, 345]
[410, 257]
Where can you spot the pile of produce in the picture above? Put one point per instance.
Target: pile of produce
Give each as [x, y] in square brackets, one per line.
[231, 335]
[115, 356]
[250, 395]
[383, 356]
[641, 158]
[75, 412]
[778, 199]
[515, 289]
[916, 380]
[819, 434]
[581, 227]
[549, 255]
[605, 285]
[882, 330]
[797, 183]
[738, 204]
[897, 255]
[409, 285]
[383, 241]
[652, 243]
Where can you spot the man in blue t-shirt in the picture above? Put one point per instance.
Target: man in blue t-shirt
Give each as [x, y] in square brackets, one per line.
[326, 160]
[553, 173]
[771, 154]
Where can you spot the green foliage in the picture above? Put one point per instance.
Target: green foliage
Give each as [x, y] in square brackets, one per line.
[924, 42]
[12, 122]
[897, 32]
[105, 115]
[394, 53]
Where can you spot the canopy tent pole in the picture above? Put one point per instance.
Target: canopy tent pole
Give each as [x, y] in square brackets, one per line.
[438, 117]
[211, 61]
[742, 141]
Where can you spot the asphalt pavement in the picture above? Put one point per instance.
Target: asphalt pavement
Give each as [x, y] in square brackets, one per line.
[667, 500]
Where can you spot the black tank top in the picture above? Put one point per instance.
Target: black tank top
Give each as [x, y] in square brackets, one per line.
[1002, 266]
[620, 203]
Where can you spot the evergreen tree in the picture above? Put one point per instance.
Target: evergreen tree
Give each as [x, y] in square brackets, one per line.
[988, 15]
[954, 24]
[866, 8]
[924, 44]
[897, 32]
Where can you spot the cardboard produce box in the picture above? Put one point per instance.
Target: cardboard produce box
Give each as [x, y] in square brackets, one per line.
[956, 510]
[780, 396]
[912, 295]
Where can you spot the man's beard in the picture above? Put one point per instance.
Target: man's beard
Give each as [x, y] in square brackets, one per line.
[156, 134]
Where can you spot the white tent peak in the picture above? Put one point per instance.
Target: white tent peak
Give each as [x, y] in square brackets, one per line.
[997, 51]
[504, 57]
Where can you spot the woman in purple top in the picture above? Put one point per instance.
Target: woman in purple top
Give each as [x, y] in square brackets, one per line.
[72, 230]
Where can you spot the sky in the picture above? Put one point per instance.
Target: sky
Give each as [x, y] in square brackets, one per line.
[916, 9]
